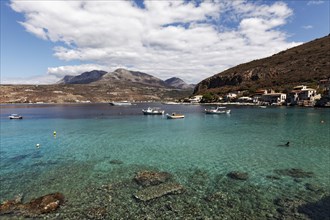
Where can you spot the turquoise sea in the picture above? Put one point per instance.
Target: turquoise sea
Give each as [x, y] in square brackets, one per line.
[199, 151]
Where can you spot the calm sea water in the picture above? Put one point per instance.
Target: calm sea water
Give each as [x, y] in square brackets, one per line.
[91, 135]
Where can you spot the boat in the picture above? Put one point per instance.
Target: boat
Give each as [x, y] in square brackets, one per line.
[218, 110]
[122, 103]
[262, 106]
[153, 111]
[15, 116]
[174, 116]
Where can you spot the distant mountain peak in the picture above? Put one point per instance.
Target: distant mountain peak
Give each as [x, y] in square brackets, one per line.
[177, 83]
[84, 78]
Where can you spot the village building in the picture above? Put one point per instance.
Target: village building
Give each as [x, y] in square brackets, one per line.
[258, 94]
[324, 85]
[231, 96]
[196, 99]
[245, 99]
[274, 98]
[302, 95]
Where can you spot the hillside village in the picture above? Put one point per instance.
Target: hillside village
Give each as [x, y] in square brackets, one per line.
[300, 95]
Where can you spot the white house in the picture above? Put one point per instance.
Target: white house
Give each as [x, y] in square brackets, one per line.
[301, 94]
[196, 99]
[231, 95]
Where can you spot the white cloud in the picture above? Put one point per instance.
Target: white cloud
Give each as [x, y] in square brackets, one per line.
[37, 80]
[317, 2]
[62, 71]
[307, 27]
[165, 38]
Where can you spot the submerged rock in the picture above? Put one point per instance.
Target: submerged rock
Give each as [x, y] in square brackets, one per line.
[313, 187]
[116, 162]
[295, 173]
[153, 192]
[238, 175]
[148, 178]
[272, 177]
[41, 205]
[45, 204]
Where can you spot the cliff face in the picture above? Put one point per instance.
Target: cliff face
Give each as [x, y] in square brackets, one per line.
[304, 64]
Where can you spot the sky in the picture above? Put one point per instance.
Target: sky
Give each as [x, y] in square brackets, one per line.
[42, 41]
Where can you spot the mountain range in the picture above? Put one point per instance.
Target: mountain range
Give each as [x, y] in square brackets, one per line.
[304, 64]
[124, 77]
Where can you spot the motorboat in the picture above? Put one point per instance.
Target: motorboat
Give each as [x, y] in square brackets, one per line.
[218, 110]
[153, 111]
[174, 116]
[15, 116]
[122, 103]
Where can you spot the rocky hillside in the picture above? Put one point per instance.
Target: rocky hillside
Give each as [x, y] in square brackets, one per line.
[304, 64]
[178, 83]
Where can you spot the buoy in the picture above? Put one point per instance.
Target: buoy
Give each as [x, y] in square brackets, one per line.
[37, 145]
[322, 121]
[54, 133]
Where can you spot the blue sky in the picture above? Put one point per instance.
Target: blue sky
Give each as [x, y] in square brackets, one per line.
[45, 40]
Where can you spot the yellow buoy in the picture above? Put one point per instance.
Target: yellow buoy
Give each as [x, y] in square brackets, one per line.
[37, 145]
[54, 133]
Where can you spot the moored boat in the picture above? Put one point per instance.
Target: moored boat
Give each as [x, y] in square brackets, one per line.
[15, 116]
[218, 110]
[174, 116]
[153, 111]
[122, 103]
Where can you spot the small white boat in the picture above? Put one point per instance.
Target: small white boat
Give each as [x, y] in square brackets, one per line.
[174, 116]
[262, 106]
[153, 111]
[15, 116]
[218, 110]
[120, 103]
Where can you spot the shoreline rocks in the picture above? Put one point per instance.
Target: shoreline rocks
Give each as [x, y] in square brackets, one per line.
[42, 205]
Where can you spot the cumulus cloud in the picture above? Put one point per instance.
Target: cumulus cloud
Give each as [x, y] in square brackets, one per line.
[163, 38]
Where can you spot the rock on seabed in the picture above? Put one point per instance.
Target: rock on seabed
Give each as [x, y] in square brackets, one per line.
[238, 175]
[153, 192]
[149, 178]
[42, 205]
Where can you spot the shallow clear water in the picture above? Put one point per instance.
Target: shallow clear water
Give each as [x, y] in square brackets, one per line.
[90, 135]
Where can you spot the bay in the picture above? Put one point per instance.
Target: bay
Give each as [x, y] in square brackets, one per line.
[199, 151]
